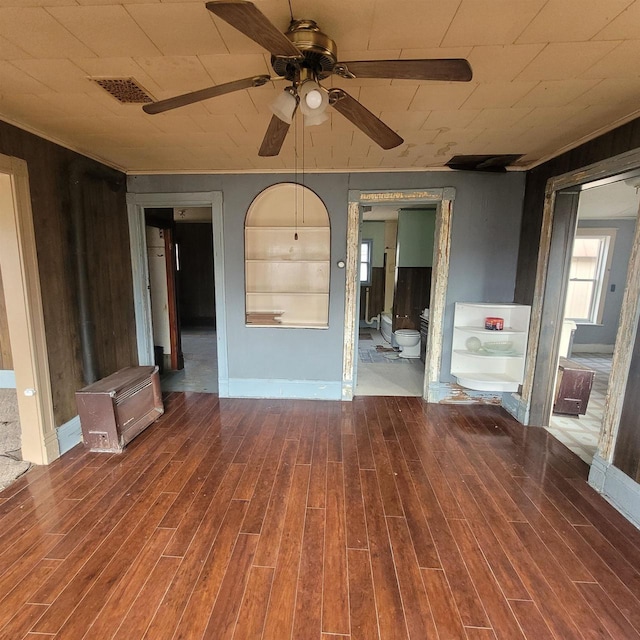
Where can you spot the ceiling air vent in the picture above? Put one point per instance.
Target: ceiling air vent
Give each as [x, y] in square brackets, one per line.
[497, 163]
[125, 90]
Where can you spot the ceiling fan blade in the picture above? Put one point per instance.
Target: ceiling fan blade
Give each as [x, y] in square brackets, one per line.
[248, 19]
[359, 115]
[273, 138]
[204, 94]
[451, 69]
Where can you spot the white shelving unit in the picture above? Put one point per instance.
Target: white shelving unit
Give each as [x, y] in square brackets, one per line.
[488, 360]
[287, 259]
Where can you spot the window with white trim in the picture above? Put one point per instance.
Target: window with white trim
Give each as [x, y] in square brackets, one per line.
[589, 274]
[366, 256]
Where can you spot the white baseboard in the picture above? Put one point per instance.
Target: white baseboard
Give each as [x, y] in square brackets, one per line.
[592, 348]
[617, 487]
[69, 434]
[298, 389]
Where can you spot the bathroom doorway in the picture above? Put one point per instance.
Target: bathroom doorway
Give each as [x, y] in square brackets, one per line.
[396, 259]
[442, 199]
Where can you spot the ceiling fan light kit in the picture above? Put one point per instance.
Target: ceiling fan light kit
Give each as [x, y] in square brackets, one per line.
[284, 105]
[304, 56]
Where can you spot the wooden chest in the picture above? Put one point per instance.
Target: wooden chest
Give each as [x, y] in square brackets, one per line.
[573, 388]
[114, 410]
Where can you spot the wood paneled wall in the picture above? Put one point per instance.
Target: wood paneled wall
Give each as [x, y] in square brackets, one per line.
[6, 361]
[376, 294]
[620, 140]
[196, 292]
[413, 290]
[109, 264]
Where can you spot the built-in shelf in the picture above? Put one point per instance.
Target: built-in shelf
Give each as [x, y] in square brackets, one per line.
[287, 266]
[474, 362]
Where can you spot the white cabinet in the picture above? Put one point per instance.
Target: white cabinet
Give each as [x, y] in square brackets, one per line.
[489, 359]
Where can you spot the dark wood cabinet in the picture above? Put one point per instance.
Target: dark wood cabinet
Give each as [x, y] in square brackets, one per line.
[573, 388]
[114, 410]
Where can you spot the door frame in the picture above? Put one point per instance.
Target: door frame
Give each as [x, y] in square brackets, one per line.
[533, 386]
[443, 198]
[136, 204]
[25, 315]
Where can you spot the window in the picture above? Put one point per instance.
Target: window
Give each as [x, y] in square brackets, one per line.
[589, 274]
[366, 247]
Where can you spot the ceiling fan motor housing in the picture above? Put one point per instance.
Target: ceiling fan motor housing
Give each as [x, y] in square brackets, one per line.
[319, 51]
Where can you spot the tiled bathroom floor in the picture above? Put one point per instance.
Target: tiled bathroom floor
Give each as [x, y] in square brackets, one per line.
[383, 373]
[581, 434]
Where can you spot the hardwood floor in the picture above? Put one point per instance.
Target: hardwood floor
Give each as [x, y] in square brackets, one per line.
[381, 518]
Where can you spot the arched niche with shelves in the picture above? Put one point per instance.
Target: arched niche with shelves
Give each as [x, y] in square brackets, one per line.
[287, 258]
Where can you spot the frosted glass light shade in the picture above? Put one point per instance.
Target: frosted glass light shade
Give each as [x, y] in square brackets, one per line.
[315, 118]
[284, 106]
[313, 99]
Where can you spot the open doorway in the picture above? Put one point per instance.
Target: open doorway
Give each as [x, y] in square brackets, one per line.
[24, 364]
[396, 260]
[442, 199]
[598, 259]
[182, 296]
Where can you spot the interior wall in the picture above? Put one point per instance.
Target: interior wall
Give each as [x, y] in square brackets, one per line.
[605, 333]
[109, 263]
[620, 140]
[374, 230]
[196, 292]
[485, 232]
[6, 360]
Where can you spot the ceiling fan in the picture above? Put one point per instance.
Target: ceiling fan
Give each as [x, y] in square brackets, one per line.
[304, 55]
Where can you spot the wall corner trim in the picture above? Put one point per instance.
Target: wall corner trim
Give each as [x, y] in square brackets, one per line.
[69, 434]
[617, 487]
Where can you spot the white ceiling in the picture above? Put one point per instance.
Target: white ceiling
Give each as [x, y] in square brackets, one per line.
[619, 199]
[548, 74]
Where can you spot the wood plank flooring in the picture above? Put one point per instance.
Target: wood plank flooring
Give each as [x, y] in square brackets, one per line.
[382, 518]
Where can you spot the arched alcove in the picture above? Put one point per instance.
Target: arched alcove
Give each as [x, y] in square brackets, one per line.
[287, 258]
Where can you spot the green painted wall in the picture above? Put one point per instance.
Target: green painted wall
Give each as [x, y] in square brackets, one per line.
[374, 230]
[416, 229]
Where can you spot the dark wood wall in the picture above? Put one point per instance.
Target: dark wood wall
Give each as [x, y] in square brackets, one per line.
[196, 292]
[620, 140]
[6, 361]
[109, 263]
[376, 294]
[413, 290]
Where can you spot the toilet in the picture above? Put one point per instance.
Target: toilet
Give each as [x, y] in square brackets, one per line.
[409, 342]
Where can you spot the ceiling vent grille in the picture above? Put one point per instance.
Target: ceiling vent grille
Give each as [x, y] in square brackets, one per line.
[125, 90]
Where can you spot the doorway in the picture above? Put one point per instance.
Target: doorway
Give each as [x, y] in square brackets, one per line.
[28, 376]
[554, 266]
[204, 348]
[599, 256]
[442, 200]
[396, 259]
